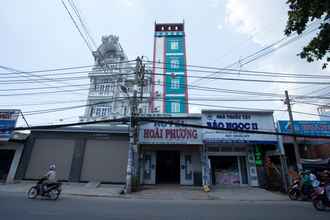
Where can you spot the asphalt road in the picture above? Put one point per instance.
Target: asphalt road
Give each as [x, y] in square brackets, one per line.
[17, 206]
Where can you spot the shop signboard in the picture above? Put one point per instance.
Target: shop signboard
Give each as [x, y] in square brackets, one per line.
[163, 133]
[8, 118]
[243, 120]
[320, 128]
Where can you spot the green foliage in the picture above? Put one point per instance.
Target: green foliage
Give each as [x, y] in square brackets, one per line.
[301, 13]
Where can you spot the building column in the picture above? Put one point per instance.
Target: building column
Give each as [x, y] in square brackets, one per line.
[77, 160]
[25, 158]
[205, 167]
[14, 163]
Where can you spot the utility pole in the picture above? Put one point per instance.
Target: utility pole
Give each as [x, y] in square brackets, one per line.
[295, 144]
[132, 178]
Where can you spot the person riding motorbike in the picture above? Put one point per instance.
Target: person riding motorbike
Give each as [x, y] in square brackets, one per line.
[50, 177]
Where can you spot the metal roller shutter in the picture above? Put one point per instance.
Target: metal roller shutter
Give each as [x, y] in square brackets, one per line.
[47, 151]
[105, 160]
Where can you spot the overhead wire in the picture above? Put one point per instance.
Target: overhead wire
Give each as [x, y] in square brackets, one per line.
[239, 72]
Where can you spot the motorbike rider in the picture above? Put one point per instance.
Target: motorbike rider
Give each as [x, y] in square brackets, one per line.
[306, 182]
[50, 177]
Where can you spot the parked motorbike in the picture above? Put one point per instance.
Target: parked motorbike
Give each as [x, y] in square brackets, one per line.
[52, 191]
[321, 197]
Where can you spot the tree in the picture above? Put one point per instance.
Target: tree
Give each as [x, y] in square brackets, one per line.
[301, 13]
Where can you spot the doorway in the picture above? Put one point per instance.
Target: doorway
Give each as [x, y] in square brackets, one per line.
[6, 157]
[225, 170]
[168, 167]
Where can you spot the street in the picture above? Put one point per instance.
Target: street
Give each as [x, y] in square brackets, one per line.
[17, 206]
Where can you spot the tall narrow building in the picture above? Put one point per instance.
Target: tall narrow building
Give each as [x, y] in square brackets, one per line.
[169, 78]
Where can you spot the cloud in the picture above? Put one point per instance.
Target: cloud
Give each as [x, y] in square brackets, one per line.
[128, 3]
[214, 3]
[263, 20]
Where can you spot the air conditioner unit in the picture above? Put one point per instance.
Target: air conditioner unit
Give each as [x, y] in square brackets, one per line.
[157, 93]
[156, 109]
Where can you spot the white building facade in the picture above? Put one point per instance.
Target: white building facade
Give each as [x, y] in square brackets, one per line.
[111, 70]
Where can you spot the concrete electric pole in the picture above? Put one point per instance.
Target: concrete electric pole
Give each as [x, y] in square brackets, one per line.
[132, 178]
[295, 144]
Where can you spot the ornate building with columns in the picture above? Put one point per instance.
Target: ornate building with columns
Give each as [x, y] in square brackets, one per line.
[111, 70]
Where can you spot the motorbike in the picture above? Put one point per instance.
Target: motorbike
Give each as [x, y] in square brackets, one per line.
[51, 191]
[295, 192]
[321, 197]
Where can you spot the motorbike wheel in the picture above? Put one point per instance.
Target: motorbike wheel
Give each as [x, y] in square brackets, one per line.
[54, 194]
[33, 192]
[293, 194]
[319, 205]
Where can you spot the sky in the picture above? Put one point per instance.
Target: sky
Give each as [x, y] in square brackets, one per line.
[38, 35]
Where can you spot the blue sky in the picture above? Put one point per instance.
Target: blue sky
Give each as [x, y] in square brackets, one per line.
[40, 35]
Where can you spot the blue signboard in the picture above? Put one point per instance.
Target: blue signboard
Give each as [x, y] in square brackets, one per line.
[8, 120]
[321, 128]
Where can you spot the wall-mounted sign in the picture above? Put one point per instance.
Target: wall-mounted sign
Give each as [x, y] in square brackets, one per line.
[252, 121]
[8, 118]
[162, 133]
[321, 128]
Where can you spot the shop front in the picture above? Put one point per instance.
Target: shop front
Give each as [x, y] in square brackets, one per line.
[309, 148]
[170, 154]
[235, 158]
[11, 145]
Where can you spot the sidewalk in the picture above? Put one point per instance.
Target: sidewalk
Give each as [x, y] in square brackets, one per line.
[159, 192]
[245, 193]
[79, 189]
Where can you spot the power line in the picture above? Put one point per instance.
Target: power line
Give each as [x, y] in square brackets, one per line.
[44, 111]
[240, 72]
[77, 27]
[66, 68]
[112, 72]
[232, 129]
[54, 79]
[123, 120]
[253, 80]
[257, 54]
[153, 120]
[84, 26]
[29, 76]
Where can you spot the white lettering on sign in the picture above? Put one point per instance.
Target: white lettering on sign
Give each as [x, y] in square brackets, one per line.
[163, 133]
[170, 133]
[249, 121]
[233, 125]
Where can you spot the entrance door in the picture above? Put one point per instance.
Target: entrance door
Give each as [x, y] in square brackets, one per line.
[6, 157]
[186, 169]
[225, 170]
[168, 167]
[149, 168]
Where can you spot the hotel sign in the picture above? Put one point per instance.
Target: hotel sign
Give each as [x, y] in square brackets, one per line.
[251, 121]
[163, 133]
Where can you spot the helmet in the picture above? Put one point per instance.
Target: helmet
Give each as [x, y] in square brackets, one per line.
[52, 167]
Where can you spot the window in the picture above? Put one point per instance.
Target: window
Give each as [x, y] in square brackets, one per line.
[101, 89]
[175, 63]
[175, 106]
[175, 84]
[98, 112]
[103, 110]
[104, 89]
[174, 45]
[107, 89]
